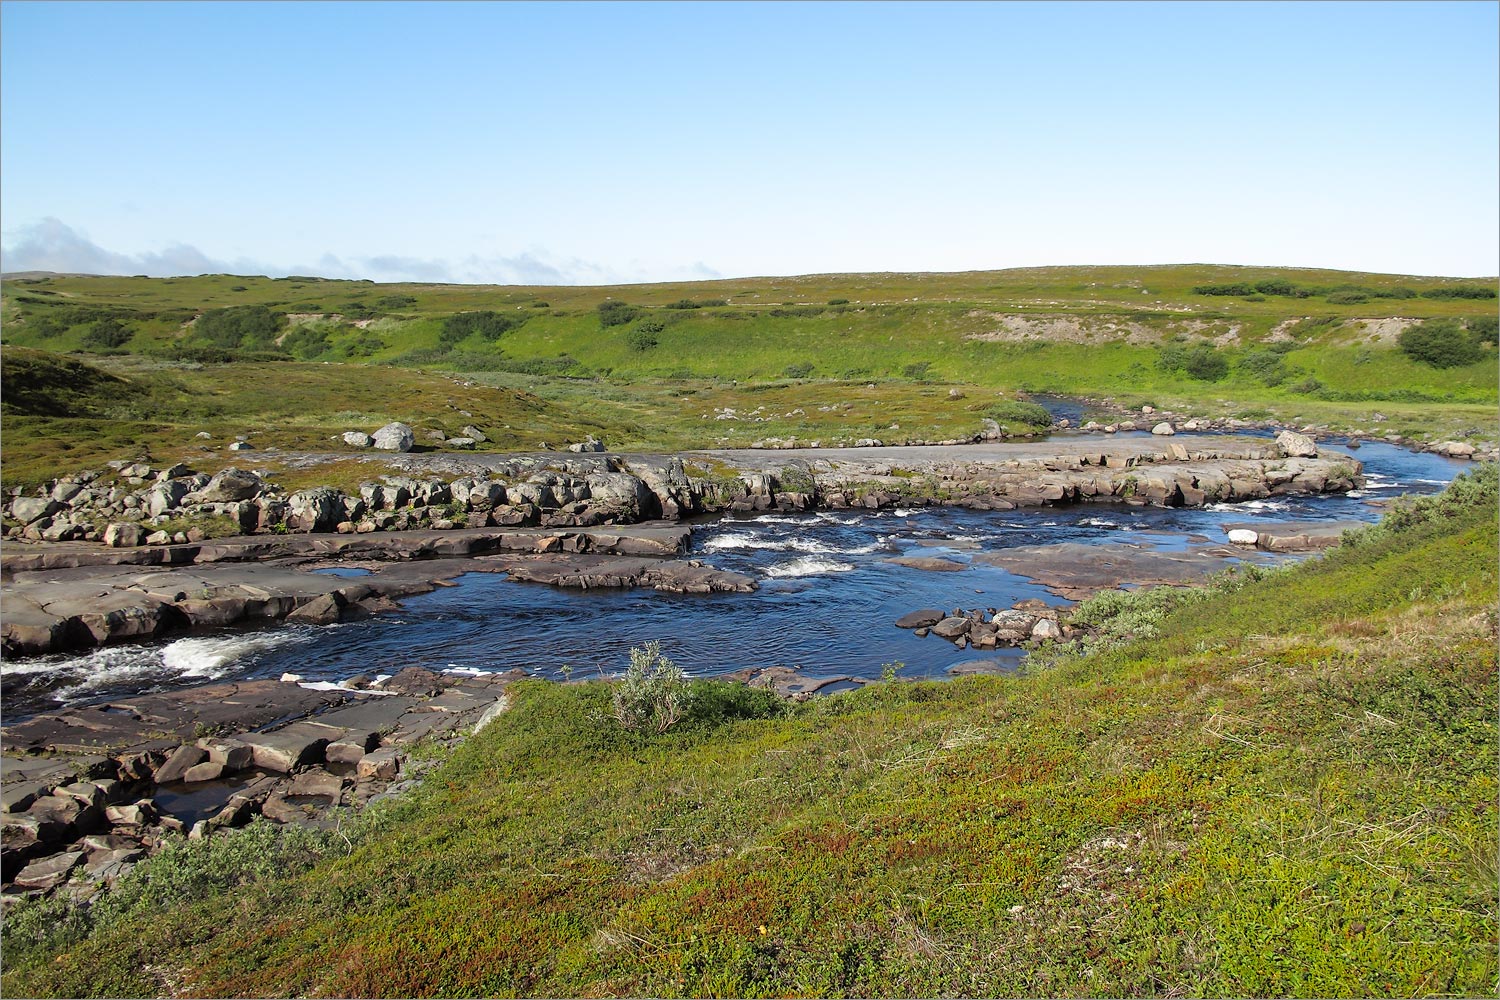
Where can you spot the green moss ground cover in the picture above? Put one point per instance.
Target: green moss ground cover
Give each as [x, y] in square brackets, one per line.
[1286, 786]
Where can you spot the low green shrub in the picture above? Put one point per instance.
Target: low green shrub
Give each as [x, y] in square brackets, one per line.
[249, 328]
[614, 313]
[1441, 343]
[487, 324]
[107, 333]
[654, 694]
[642, 336]
[1200, 362]
[1019, 416]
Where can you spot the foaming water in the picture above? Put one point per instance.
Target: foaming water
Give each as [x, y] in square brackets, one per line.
[828, 596]
[808, 566]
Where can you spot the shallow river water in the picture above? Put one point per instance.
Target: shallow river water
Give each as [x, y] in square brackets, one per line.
[828, 596]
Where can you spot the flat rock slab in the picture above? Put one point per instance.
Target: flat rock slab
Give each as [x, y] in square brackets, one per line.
[56, 601]
[1077, 571]
[591, 572]
[931, 564]
[291, 746]
[160, 721]
[989, 666]
[1296, 536]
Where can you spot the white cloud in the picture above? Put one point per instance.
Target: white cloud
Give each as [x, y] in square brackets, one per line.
[52, 245]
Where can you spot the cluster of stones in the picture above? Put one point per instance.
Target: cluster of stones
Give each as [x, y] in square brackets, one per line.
[1175, 477]
[74, 824]
[1167, 423]
[989, 628]
[139, 507]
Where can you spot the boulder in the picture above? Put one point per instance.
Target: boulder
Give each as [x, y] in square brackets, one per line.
[1243, 536]
[141, 813]
[284, 749]
[383, 764]
[925, 618]
[470, 431]
[230, 486]
[178, 763]
[1164, 429]
[358, 439]
[48, 873]
[1046, 629]
[317, 782]
[124, 535]
[395, 436]
[29, 510]
[315, 510]
[206, 771]
[234, 755]
[1294, 445]
[462, 442]
[241, 446]
[165, 496]
[952, 628]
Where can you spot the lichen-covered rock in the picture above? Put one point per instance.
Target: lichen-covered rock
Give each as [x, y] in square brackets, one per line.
[229, 486]
[358, 439]
[395, 436]
[123, 535]
[1294, 445]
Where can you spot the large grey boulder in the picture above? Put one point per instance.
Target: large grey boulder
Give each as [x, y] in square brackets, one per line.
[358, 439]
[925, 618]
[124, 535]
[315, 510]
[952, 628]
[395, 437]
[29, 510]
[1294, 445]
[230, 486]
[1164, 429]
[165, 496]
[178, 763]
[470, 431]
[622, 494]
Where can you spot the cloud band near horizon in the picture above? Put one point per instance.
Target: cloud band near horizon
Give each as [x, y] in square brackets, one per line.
[53, 245]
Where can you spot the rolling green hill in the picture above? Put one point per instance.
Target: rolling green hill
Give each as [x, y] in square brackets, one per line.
[654, 366]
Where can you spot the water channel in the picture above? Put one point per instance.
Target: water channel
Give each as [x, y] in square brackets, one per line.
[827, 599]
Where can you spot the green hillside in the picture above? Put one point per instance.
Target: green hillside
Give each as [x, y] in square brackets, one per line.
[655, 366]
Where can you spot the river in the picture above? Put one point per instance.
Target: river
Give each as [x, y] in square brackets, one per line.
[828, 596]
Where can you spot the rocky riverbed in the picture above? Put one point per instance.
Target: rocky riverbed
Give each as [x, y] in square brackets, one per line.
[101, 787]
[68, 589]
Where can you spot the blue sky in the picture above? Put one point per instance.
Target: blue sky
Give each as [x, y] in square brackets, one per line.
[584, 142]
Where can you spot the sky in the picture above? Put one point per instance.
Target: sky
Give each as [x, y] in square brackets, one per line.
[587, 143]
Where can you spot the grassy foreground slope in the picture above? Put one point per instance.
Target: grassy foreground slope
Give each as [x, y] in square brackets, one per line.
[1289, 790]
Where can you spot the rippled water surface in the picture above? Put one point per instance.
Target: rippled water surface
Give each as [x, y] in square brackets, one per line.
[827, 598]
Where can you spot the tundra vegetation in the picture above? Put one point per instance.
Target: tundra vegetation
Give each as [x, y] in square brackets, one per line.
[825, 358]
[1278, 784]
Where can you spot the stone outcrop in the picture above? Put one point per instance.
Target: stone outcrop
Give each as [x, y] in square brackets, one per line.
[84, 810]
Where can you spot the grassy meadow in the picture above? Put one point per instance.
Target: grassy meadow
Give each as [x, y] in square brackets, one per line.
[655, 368]
[1277, 785]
